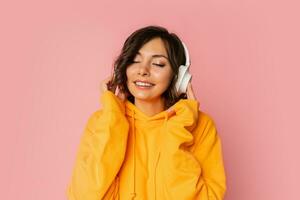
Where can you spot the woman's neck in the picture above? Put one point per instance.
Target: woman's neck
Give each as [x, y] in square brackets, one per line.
[150, 108]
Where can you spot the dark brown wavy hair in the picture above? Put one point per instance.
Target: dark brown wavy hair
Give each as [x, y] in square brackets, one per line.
[133, 43]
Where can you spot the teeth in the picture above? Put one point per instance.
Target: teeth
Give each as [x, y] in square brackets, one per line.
[143, 84]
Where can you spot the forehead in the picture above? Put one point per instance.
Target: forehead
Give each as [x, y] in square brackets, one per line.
[155, 46]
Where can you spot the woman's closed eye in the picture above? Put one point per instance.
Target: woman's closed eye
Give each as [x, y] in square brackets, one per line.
[157, 64]
[161, 65]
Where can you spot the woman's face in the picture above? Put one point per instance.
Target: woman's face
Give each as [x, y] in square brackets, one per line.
[150, 65]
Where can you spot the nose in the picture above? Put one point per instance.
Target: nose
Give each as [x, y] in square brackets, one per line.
[143, 69]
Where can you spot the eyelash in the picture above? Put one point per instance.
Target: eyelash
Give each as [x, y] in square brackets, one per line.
[160, 65]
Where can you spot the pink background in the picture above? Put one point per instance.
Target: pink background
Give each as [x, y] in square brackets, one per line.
[245, 66]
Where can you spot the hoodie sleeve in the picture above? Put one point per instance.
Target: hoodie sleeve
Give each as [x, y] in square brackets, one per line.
[101, 152]
[191, 161]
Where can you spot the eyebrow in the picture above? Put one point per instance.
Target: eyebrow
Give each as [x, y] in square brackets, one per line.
[156, 55]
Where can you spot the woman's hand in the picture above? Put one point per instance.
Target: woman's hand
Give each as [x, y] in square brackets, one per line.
[190, 95]
[104, 87]
[190, 92]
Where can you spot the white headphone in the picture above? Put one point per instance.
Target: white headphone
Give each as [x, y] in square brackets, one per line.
[183, 73]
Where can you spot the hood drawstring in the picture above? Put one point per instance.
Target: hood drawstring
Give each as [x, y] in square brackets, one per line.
[166, 116]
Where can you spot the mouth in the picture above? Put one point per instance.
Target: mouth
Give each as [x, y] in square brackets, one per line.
[142, 84]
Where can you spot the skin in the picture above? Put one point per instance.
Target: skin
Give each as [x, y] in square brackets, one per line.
[145, 67]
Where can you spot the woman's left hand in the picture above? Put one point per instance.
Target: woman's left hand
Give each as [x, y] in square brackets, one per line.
[190, 92]
[190, 95]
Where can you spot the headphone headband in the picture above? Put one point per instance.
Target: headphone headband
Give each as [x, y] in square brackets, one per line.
[187, 56]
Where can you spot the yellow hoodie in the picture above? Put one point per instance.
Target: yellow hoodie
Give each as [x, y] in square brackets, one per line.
[125, 154]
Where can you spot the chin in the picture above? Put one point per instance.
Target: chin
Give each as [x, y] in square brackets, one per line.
[145, 97]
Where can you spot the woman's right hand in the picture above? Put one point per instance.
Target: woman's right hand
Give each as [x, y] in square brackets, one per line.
[104, 87]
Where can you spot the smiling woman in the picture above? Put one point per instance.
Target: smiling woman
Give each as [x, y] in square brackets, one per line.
[152, 50]
[148, 142]
[149, 76]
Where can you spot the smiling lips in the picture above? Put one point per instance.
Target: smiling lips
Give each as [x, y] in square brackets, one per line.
[143, 84]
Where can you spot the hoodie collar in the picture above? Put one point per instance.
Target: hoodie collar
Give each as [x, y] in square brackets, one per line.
[133, 111]
[181, 105]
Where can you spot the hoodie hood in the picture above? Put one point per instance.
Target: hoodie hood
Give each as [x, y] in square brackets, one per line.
[179, 107]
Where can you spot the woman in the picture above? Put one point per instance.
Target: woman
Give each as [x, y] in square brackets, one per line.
[148, 142]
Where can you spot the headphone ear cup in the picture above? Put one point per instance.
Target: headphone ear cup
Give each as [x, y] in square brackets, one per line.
[183, 74]
[179, 78]
[185, 81]
[183, 78]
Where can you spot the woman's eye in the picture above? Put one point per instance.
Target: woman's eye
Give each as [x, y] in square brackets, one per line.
[161, 65]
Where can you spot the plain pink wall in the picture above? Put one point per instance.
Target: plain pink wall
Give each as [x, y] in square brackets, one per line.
[245, 63]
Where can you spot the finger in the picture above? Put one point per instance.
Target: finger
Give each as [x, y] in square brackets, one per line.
[190, 92]
[107, 79]
[117, 91]
[190, 87]
[121, 95]
[171, 111]
[113, 88]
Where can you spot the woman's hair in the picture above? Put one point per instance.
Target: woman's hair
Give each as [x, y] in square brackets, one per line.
[133, 43]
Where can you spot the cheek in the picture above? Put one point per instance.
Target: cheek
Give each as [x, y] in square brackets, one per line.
[130, 77]
[164, 76]
[169, 77]
[129, 73]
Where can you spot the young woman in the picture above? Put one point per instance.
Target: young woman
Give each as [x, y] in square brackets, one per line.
[148, 142]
